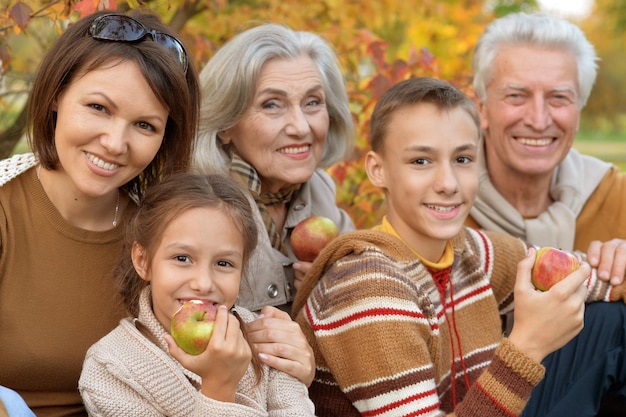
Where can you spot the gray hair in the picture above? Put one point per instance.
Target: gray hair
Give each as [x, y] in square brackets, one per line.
[537, 29]
[227, 86]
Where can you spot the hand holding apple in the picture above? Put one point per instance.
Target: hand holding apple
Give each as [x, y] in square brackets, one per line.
[311, 235]
[544, 320]
[551, 266]
[192, 326]
[226, 355]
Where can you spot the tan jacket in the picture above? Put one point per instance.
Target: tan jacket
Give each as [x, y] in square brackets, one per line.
[269, 278]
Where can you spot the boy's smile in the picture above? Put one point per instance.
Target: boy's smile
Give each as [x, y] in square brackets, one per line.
[428, 170]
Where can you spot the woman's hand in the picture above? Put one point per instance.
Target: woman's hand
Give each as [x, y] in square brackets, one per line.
[546, 321]
[282, 345]
[225, 360]
[300, 269]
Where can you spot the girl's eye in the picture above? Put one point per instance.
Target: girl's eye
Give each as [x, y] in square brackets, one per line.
[420, 161]
[182, 258]
[225, 264]
[464, 159]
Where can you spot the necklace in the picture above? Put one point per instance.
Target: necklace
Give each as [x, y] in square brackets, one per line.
[117, 202]
[117, 208]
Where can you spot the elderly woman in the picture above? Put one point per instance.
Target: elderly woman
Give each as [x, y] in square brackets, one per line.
[274, 114]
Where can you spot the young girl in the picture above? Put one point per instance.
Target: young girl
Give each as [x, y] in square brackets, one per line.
[190, 239]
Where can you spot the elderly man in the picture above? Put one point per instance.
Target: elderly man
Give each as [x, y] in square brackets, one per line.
[533, 75]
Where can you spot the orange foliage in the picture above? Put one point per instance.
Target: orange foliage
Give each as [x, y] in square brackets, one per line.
[378, 43]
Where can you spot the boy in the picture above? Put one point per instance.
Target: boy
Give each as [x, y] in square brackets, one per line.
[404, 319]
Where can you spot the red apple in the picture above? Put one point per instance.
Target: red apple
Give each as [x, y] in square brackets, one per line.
[310, 236]
[192, 326]
[552, 265]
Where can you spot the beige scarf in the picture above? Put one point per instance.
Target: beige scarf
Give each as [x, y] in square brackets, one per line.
[246, 175]
[574, 180]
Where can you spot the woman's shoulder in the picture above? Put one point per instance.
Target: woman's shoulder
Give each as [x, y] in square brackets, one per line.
[321, 178]
[15, 165]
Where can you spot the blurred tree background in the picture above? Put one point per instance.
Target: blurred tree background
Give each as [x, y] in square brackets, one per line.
[379, 42]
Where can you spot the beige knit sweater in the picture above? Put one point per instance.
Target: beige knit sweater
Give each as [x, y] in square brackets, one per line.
[125, 374]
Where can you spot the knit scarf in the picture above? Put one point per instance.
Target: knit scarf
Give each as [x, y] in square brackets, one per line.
[574, 180]
[246, 175]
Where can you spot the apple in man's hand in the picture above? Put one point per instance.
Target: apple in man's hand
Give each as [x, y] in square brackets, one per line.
[311, 235]
[192, 326]
[551, 266]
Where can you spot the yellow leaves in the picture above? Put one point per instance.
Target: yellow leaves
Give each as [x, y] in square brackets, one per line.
[378, 43]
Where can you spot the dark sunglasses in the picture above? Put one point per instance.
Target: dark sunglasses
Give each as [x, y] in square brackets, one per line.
[115, 27]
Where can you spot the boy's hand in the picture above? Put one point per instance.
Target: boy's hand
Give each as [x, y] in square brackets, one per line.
[225, 360]
[609, 258]
[546, 321]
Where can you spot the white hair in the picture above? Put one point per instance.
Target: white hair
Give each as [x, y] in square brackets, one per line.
[228, 81]
[537, 29]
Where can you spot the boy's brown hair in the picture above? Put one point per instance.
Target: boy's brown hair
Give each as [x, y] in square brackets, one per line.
[415, 91]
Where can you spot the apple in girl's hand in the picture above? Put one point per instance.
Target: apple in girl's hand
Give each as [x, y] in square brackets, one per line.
[552, 265]
[192, 326]
[310, 236]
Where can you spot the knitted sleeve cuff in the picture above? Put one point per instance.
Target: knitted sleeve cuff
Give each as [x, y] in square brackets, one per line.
[505, 386]
[521, 364]
[618, 293]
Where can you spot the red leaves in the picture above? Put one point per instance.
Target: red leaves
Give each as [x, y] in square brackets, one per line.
[20, 14]
[87, 7]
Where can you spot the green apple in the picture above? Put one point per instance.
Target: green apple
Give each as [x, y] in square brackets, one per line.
[551, 266]
[192, 326]
[310, 236]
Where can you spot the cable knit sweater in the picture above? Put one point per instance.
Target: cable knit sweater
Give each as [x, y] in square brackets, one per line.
[125, 374]
[385, 345]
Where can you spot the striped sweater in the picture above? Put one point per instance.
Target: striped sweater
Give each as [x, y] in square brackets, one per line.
[384, 342]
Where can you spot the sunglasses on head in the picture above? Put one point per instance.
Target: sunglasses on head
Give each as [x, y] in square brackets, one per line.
[115, 27]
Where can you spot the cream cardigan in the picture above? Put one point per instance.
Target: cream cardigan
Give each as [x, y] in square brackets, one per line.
[125, 374]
